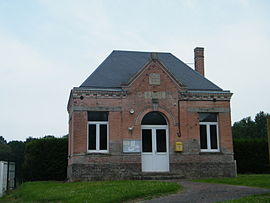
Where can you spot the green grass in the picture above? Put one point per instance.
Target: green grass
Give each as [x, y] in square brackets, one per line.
[262, 180]
[99, 191]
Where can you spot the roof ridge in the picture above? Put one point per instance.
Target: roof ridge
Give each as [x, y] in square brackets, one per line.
[148, 52]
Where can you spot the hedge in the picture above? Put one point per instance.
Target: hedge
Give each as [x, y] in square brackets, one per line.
[251, 155]
[45, 159]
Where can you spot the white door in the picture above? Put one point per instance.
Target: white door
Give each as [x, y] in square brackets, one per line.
[155, 152]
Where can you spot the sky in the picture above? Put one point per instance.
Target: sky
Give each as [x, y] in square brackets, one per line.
[47, 47]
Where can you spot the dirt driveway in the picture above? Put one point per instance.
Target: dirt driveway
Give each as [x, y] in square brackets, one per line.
[205, 192]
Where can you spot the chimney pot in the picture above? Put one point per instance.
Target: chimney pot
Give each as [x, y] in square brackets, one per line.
[199, 60]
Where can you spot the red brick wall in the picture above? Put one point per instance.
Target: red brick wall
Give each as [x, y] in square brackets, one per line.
[121, 120]
[189, 121]
[79, 132]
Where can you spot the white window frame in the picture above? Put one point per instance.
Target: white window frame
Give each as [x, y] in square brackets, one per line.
[98, 123]
[208, 140]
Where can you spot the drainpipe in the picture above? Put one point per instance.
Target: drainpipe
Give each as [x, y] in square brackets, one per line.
[179, 129]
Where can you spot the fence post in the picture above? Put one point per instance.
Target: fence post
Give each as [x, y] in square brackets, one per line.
[268, 133]
[8, 173]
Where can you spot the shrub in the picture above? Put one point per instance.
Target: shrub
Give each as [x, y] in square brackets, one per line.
[251, 155]
[45, 159]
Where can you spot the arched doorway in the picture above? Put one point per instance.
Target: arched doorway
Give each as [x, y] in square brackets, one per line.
[155, 146]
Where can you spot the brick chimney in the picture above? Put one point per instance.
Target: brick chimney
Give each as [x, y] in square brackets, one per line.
[199, 60]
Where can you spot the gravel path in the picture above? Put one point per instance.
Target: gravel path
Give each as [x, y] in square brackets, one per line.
[206, 192]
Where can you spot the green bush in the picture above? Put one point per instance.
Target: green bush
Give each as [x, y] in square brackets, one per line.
[45, 159]
[251, 155]
[17, 156]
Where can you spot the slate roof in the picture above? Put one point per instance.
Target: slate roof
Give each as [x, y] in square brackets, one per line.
[119, 67]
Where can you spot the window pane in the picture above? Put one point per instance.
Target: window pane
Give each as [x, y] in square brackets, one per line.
[161, 140]
[154, 118]
[92, 137]
[213, 136]
[203, 137]
[147, 140]
[103, 137]
[208, 117]
[97, 115]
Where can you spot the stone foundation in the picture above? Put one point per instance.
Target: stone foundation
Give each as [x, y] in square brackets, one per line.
[112, 171]
[119, 171]
[204, 169]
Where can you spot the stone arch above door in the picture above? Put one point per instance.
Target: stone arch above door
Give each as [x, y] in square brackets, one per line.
[166, 114]
[154, 118]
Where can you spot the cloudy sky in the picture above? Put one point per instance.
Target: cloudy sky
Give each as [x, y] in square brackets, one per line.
[47, 47]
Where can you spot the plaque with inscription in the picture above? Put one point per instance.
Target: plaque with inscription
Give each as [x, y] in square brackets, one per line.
[131, 146]
[154, 79]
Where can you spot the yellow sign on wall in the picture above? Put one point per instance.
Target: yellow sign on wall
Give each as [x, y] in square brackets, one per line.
[178, 146]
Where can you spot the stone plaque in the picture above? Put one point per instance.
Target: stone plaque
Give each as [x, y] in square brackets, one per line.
[131, 146]
[155, 95]
[154, 79]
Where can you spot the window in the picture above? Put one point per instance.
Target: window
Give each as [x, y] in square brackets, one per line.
[98, 131]
[209, 132]
[147, 140]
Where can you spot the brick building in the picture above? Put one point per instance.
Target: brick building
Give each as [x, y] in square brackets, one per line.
[142, 112]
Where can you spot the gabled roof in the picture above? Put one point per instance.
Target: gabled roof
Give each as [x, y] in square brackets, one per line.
[120, 66]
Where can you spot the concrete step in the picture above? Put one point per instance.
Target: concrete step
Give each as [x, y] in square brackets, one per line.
[157, 176]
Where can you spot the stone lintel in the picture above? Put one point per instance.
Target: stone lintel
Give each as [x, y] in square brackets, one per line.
[96, 108]
[98, 93]
[204, 96]
[211, 110]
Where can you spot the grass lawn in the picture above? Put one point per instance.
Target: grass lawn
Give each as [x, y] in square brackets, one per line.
[262, 180]
[99, 191]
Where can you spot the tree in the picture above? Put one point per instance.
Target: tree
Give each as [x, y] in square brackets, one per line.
[247, 128]
[243, 128]
[48, 136]
[260, 124]
[30, 139]
[4, 152]
[2, 140]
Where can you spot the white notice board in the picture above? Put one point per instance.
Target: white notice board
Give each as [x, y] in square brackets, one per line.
[131, 146]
